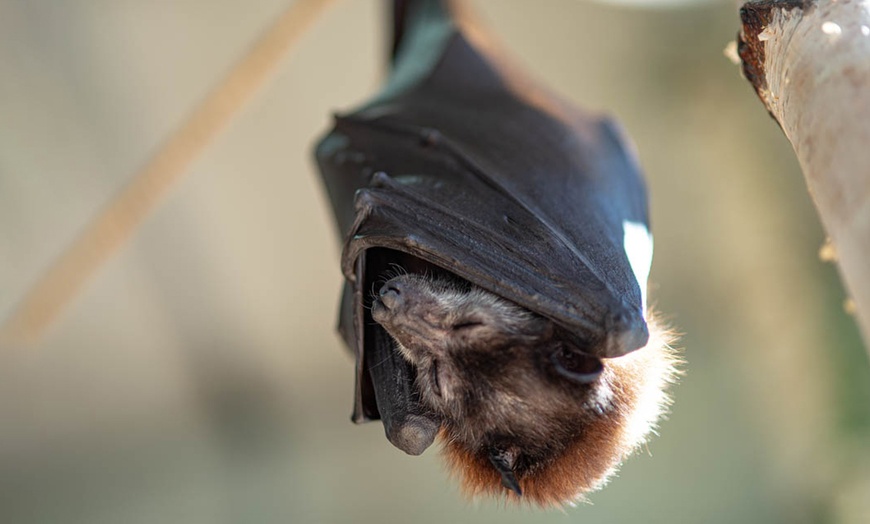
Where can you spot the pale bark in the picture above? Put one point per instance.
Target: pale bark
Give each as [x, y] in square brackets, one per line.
[810, 64]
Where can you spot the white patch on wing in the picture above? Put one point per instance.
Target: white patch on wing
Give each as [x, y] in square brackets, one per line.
[638, 244]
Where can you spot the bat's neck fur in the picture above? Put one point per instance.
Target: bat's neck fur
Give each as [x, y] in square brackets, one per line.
[496, 374]
[630, 400]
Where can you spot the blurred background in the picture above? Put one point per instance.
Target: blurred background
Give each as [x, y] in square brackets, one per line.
[198, 377]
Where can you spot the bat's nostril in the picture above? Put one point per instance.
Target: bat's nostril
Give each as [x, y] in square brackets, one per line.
[391, 294]
[390, 287]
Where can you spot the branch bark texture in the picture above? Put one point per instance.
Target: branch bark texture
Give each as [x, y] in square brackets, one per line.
[809, 62]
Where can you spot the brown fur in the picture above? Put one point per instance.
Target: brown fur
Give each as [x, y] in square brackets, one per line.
[594, 455]
[484, 365]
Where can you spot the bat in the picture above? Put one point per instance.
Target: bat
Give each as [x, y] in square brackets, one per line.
[496, 256]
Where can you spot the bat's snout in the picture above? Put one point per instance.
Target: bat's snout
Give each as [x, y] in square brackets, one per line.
[391, 300]
[392, 294]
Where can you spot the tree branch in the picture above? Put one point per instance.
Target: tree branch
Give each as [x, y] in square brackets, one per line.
[809, 62]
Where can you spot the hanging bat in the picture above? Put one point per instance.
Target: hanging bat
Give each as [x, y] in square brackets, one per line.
[496, 258]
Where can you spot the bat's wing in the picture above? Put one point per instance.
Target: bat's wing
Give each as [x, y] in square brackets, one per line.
[463, 164]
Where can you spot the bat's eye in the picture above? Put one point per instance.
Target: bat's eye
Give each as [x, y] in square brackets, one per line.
[466, 324]
[576, 366]
[433, 376]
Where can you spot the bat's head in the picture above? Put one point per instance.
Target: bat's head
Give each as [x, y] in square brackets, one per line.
[522, 407]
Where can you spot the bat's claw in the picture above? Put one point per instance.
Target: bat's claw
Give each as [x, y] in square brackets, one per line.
[503, 462]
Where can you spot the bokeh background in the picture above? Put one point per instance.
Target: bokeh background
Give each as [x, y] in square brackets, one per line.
[198, 377]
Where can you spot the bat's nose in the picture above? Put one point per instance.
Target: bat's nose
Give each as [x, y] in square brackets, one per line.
[391, 294]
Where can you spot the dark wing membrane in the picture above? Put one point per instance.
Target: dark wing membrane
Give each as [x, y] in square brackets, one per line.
[476, 170]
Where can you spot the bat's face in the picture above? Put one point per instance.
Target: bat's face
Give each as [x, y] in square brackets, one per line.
[521, 406]
[479, 358]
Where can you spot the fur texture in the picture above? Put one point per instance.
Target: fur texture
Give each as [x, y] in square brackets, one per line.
[507, 383]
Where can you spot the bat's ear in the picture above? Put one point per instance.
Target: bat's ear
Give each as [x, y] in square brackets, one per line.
[503, 460]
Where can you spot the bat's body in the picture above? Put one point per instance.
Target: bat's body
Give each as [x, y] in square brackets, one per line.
[496, 256]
